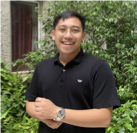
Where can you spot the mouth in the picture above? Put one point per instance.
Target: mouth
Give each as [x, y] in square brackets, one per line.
[68, 43]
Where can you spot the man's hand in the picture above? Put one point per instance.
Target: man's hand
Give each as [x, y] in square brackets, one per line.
[45, 109]
[52, 124]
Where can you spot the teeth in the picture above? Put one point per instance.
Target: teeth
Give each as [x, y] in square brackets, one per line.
[67, 43]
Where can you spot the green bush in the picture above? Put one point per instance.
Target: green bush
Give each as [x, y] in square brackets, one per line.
[124, 119]
[14, 118]
[110, 22]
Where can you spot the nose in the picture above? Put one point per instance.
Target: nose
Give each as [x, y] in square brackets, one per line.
[68, 34]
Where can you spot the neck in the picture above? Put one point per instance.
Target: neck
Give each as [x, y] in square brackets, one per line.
[64, 59]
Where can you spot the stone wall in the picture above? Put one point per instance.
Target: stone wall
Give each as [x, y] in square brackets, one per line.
[6, 32]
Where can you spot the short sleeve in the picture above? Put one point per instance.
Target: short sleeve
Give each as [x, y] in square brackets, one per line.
[105, 93]
[32, 92]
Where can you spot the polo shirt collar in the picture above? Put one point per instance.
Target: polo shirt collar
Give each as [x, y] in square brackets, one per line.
[77, 59]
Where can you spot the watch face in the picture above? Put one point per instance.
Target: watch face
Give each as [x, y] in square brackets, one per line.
[61, 113]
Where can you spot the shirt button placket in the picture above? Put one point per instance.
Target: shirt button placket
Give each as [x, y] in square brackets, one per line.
[62, 78]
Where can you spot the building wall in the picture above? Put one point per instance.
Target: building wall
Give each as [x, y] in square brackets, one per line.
[5, 32]
[6, 41]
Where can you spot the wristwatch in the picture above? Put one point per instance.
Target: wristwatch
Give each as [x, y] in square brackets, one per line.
[60, 114]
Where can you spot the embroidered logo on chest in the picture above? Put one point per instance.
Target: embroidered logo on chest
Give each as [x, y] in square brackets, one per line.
[79, 80]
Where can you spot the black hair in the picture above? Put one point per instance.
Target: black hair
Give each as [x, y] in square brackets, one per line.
[68, 14]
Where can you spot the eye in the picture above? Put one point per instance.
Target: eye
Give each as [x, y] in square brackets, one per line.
[62, 29]
[75, 30]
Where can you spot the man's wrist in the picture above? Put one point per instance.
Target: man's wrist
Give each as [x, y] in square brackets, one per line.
[60, 114]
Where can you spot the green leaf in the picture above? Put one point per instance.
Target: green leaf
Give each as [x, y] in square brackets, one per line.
[5, 114]
[118, 44]
[1, 61]
[129, 126]
[24, 78]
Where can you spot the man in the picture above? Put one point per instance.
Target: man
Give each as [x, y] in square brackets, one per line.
[73, 92]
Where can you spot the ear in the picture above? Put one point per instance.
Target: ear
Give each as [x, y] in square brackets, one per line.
[53, 34]
[83, 36]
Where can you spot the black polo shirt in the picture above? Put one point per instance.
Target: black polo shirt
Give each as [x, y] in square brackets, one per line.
[86, 82]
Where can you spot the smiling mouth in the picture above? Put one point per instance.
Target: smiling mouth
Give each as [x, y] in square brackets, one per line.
[68, 43]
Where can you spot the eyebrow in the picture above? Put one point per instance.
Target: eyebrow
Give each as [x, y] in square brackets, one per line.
[72, 26]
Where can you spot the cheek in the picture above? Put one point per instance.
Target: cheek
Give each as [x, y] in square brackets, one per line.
[58, 37]
[80, 35]
[79, 38]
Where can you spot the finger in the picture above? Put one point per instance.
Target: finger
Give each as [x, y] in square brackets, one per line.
[38, 114]
[38, 99]
[55, 125]
[37, 109]
[37, 104]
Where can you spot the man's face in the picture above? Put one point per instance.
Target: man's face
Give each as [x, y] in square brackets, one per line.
[68, 35]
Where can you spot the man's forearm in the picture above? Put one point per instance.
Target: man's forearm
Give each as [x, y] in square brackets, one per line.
[88, 118]
[91, 118]
[30, 109]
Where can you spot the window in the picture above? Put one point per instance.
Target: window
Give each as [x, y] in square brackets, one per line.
[24, 30]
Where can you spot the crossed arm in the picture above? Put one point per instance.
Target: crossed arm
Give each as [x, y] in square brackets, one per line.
[45, 111]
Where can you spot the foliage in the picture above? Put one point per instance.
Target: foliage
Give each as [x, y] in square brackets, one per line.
[124, 119]
[107, 22]
[13, 115]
